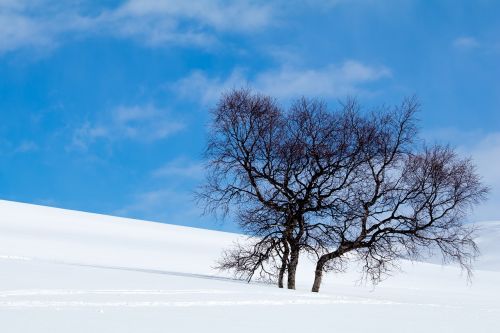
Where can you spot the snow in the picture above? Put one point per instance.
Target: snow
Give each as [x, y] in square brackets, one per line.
[69, 271]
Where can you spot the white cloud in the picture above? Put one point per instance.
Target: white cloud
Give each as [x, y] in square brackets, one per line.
[43, 23]
[37, 23]
[149, 201]
[333, 80]
[330, 81]
[26, 146]
[208, 89]
[170, 199]
[180, 167]
[17, 30]
[484, 149]
[145, 123]
[466, 42]
[485, 153]
[166, 205]
[220, 15]
[87, 134]
[140, 123]
[184, 22]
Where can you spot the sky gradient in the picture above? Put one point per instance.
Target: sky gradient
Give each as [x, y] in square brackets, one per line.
[104, 104]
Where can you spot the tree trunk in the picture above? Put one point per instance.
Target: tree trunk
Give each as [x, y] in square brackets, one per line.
[294, 241]
[284, 263]
[318, 274]
[292, 267]
[281, 275]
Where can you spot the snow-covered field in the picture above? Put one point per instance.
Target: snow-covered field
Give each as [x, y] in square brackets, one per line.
[68, 271]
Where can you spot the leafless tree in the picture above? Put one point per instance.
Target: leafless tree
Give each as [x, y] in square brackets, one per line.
[264, 162]
[406, 204]
[333, 183]
[246, 173]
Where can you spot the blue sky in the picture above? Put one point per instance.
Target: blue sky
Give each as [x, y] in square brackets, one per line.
[104, 104]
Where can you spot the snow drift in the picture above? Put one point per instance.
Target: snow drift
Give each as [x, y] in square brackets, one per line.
[69, 271]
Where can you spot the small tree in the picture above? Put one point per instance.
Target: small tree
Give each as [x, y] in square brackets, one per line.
[246, 174]
[331, 184]
[264, 162]
[406, 204]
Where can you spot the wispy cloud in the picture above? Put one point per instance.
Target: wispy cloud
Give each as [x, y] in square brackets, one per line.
[26, 146]
[168, 197]
[139, 123]
[45, 24]
[485, 152]
[466, 42]
[166, 205]
[38, 24]
[8, 147]
[87, 134]
[146, 123]
[199, 85]
[333, 80]
[484, 149]
[182, 167]
[153, 201]
[222, 15]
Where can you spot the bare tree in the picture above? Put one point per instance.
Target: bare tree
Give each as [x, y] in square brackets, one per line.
[407, 203]
[247, 172]
[265, 162]
[333, 183]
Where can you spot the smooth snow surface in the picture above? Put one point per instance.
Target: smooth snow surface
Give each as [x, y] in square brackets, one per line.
[68, 271]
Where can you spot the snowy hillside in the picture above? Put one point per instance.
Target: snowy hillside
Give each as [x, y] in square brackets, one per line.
[68, 271]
